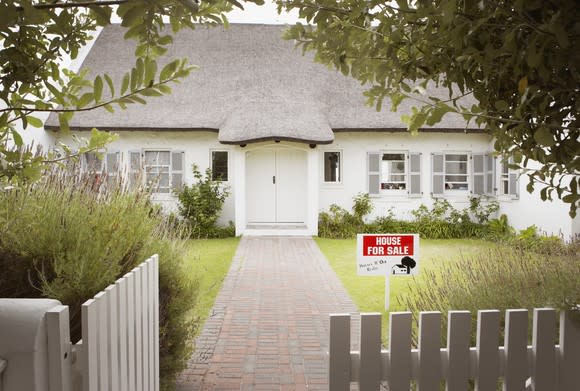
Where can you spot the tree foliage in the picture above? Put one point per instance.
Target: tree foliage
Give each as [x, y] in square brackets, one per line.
[37, 36]
[519, 60]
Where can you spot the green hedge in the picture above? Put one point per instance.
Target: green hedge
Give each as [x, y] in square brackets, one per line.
[68, 238]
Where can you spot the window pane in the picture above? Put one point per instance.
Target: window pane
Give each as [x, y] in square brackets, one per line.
[398, 167]
[456, 157]
[331, 166]
[455, 178]
[455, 168]
[394, 156]
[219, 165]
[157, 158]
[393, 171]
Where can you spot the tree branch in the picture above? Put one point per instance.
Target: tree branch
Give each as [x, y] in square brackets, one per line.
[82, 4]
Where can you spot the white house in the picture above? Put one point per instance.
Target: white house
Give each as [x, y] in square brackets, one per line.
[290, 137]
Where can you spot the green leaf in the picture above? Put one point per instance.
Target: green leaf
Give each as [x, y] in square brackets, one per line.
[98, 88]
[150, 70]
[35, 122]
[501, 105]
[63, 122]
[110, 84]
[125, 84]
[17, 138]
[168, 70]
[544, 137]
[85, 99]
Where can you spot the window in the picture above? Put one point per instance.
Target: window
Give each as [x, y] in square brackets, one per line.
[102, 169]
[456, 175]
[508, 180]
[219, 166]
[504, 179]
[393, 172]
[163, 170]
[332, 167]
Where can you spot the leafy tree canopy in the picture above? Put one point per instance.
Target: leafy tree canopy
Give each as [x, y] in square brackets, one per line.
[36, 37]
[519, 59]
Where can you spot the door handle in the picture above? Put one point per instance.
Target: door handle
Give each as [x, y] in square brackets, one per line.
[273, 179]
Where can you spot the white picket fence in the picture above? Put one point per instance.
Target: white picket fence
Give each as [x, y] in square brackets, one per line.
[119, 350]
[542, 366]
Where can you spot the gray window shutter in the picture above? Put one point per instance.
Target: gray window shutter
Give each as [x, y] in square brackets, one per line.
[414, 178]
[177, 163]
[438, 174]
[374, 172]
[513, 182]
[112, 164]
[134, 168]
[490, 186]
[478, 172]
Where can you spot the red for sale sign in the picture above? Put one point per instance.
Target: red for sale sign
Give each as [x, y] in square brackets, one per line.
[379, 254]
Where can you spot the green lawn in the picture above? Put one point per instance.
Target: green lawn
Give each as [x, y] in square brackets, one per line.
[208, 260]
[368, 292]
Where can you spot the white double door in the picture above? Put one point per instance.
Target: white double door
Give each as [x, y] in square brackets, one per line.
[276, 186]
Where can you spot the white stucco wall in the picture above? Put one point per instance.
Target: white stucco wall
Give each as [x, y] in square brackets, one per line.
[550, 217]
[197, 147]
[528, 209]
[354, 148]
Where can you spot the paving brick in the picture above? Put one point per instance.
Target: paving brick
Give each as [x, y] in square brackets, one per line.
[268, 329]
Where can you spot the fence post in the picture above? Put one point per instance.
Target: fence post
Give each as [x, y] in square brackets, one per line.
[59, 349]
[3, 364]
[516, 350]
[400, 351]
[370, 352]
[487, 345]
[339, 352]
[458, 341]
[544, 354]
[569, 353]
[429, 351]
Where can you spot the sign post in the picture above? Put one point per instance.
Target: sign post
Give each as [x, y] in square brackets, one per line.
[387, 255]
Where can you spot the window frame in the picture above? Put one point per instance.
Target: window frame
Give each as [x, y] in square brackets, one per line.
[228, 171]
[468, 173]
[171, 172]
[405, 181]
[340, 167]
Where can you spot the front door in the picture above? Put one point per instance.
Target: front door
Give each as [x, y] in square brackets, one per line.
[276, 186]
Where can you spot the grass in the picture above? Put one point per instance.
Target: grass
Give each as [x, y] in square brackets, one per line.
[368, 292]
[208, 260]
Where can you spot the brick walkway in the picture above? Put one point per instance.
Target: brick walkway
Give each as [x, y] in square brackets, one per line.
[269, 326]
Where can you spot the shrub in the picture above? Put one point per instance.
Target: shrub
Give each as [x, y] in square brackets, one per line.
[339, 223]
[201, 203]
[500, 278]
[67, 239]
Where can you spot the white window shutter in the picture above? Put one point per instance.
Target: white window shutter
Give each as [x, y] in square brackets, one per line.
[134, 168]
[177, 165]
[438, 174]
[374, 172]
[478, 173]
[414, 178]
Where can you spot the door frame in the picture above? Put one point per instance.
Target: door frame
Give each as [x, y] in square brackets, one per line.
[312, 189]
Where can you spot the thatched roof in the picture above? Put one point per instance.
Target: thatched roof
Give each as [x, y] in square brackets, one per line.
[251, 86]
